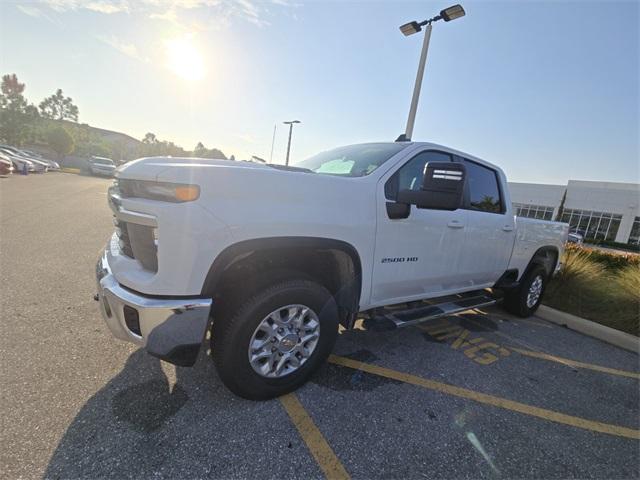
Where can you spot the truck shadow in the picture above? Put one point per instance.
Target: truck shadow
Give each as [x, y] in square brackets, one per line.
[119, 431]
[142, 423]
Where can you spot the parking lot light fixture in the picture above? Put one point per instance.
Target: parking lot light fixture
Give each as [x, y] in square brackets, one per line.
[410, 28]
[451, 13]
[448, 14]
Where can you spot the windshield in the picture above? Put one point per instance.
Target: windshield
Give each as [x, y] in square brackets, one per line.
[101, 161]
[352, 160]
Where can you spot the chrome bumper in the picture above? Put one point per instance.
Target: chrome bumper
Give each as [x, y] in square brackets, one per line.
[172, 330]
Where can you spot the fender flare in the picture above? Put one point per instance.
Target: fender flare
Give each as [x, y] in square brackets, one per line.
[244, 248]
[540, 257]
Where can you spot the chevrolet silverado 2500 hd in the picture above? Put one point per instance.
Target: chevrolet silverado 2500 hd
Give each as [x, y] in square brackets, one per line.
[272, 259]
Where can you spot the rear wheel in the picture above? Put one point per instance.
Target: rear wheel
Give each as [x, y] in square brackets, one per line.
[271, 343]
[526, 299]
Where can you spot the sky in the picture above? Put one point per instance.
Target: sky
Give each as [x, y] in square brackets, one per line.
[549, 91]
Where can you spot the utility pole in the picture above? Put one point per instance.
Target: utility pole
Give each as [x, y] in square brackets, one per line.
[273, 141]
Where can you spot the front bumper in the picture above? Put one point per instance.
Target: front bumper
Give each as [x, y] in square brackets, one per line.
[170, 329]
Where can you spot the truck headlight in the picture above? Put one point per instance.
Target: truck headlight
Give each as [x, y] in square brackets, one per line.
[163, 191]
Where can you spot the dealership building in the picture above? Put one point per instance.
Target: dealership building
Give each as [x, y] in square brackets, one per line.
[598, 210]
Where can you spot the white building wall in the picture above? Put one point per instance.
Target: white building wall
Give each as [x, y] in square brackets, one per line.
[537, 194]
[610, 197]
[618, 198]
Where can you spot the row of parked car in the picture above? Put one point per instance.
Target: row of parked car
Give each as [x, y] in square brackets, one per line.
[16, 160]
[13, 159]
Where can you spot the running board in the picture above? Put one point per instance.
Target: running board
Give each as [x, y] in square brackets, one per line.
[426, 312]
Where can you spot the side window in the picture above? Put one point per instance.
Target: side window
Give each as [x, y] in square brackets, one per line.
[409, 176]
[484, 192]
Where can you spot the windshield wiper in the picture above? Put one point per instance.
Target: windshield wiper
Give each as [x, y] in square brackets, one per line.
[289, 168]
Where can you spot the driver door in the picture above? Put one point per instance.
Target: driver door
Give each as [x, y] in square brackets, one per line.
[415, 257]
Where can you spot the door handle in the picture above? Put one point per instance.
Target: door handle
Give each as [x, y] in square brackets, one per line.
[508, 228]
[455, 224]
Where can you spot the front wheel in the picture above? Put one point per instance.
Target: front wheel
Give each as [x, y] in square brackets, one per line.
[272, 342]
[526, 299]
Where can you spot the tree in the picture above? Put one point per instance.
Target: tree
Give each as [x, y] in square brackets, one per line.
[11, 97]
[561, 207]
[200, 150]
[17, 116]
[59, 107]
[203, 152]
[149, 138]
[60, 141]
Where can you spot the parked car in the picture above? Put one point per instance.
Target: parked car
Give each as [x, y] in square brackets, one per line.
[39, 165]
[20, 163]
[575, 237]
[274, 258]
[101, 166]
[52, 164]
[6, 166]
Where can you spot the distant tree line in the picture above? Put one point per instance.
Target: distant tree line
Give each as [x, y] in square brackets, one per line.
[54, 124]
[152, 147]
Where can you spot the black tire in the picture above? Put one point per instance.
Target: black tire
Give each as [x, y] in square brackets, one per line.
[515, 301]
[232, 332]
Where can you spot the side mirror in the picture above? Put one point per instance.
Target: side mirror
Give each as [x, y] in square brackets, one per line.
[442, 187]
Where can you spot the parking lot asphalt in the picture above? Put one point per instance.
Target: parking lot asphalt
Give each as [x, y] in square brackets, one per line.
[478, 395]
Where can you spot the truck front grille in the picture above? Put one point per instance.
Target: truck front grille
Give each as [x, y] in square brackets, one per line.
[138, 242]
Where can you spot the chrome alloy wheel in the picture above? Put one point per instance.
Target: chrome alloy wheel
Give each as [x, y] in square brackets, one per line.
[284, 341]
[535, 290]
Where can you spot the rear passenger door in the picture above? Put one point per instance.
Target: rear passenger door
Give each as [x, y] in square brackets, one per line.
[490, 232]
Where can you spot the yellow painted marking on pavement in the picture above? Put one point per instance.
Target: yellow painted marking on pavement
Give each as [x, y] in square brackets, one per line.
[313, 438]
[574, 363]
[564, 361]
[484, 354]
[499, 402]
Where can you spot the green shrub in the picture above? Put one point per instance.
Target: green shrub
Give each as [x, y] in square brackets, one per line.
[610, 260]
[628, 282]
[606, 291]
[607, 243]
[578, 265]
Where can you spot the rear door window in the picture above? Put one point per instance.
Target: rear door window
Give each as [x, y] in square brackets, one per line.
[483, 188]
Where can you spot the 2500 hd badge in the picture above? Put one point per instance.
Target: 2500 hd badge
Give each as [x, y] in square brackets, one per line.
[399, 259]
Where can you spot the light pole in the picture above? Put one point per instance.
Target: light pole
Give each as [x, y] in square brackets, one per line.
[448, 14]
[290, 130]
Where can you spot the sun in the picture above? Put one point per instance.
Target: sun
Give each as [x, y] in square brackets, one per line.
[184, 58]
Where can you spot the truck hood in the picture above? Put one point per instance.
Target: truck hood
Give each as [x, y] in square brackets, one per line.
[166, 168]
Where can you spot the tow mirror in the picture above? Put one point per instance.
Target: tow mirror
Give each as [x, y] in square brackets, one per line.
[442, 187]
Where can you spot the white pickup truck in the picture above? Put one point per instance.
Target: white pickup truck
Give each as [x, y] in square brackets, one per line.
[272, 259]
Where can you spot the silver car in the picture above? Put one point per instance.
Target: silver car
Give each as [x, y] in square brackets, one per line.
[53, 165]
[101, 166]
[20, 163]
